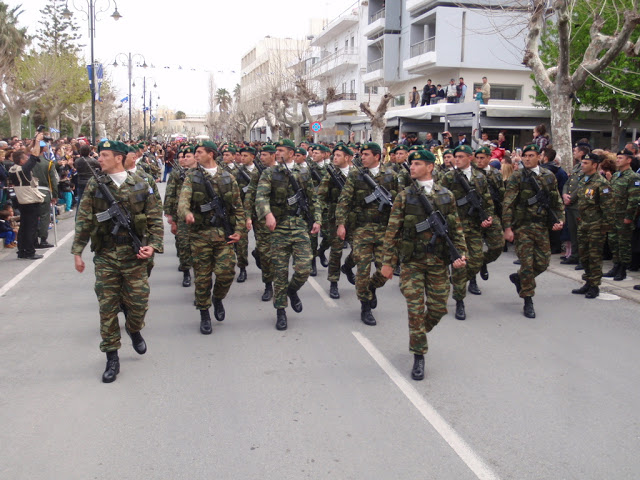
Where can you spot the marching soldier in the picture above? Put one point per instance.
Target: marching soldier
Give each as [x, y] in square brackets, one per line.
[370, 222]
[595, 204]
[425, 270]
[625, 185]
[121, 273]
[282, 206]
[526, 220]
[474, 221]
[212, 232]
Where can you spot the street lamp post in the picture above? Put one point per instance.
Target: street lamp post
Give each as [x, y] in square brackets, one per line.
[91, 16]
[144, 103]
[150, 112]
[130, 72]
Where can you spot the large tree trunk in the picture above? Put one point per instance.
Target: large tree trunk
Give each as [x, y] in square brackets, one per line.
[561, 114]
[15, 120]
[616, 129]
[377, 134]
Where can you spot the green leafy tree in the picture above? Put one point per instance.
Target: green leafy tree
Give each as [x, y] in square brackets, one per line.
[57, 35]
[180, 115]
[223, 99]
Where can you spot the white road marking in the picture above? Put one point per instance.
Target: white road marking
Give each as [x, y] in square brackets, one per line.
[607, 296]
[325, 298]
[476, 464]
[34, 264]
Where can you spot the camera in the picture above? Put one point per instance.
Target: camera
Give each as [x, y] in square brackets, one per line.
[41, 128]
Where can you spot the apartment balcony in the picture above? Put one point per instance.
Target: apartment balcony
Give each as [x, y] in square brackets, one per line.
[331, 31]
[414, 6]
[332, 63]
[422, 56]
[375, 71]
[376, 23]
[345, 103]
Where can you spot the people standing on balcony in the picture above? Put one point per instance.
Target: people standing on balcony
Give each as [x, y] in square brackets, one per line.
[452, 92]
[429, 93]
[461, 90]
[486, 90]
[441, 95]
[415, 97]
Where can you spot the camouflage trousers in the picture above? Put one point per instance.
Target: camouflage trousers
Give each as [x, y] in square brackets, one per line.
[534, 251]
[211, 255]
[263, 246]
[367, 246]
[620, 240]
[590, 245]
[335, 254]
[242, 251]
[475, 257]
[314, 244]
[430, 278]
[494, 239]
[287, 242]
[183, 246]
[120, 279]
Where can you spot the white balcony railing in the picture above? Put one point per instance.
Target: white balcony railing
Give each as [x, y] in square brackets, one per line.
[376, 16]
[375, 65]
[428, 45]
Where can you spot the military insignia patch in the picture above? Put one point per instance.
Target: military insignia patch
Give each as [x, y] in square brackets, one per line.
[106, 144]
[606, 190]
[589, 193]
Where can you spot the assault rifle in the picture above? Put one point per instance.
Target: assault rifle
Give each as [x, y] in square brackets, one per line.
[379, 194]
[216, 205]
[471, 197]
[495, 196]
[120, 217]
[313, 170]
[435, 222]
[181, 171]
[335, 176]
[245, 177]
[299, 198]
[541, 198]
[259, 165]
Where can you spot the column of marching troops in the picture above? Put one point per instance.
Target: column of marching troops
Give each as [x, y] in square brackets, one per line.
[427, 223]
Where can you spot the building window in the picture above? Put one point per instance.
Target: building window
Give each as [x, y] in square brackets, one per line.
[346, 44]
[353, 86]
[399, 101]
[371, 90]
[344, 87]
[503, 92]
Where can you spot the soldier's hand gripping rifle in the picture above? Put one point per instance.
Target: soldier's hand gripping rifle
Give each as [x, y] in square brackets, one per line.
[471, 197]
[379, 194]
[259, 165]
[120, 217]
[216, 205]
[245, 177]
[335, 176]
[299, 198]
[541, 198]
[435, 222]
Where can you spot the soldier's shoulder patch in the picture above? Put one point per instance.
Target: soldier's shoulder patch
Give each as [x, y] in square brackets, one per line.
[605, 190]
[150, 191]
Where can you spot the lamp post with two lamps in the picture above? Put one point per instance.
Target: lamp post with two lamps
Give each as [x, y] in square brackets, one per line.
[144, 101]
[129, 64]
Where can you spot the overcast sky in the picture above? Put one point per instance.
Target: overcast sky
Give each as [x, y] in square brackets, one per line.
[199, 36]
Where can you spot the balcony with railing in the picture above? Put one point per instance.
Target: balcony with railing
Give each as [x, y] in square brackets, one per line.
[375, 71]
[428, 45]
[375, 65]
[376, 16]
[422, 56]
[376, 23]
[334, 62]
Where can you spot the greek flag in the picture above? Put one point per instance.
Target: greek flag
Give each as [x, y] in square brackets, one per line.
[125, 99]
[51, 129]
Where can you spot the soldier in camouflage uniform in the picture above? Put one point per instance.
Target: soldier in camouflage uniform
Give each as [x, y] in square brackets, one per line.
[262, 254]
[425, 270]
[472, 224]
[595, 204]
[369, 225]
[493, 236]
[47, 175]
[625, 184]
[121, 274]
[328, 194]
[289, 227]
[211, 248]
[186, 160]
[528, 223]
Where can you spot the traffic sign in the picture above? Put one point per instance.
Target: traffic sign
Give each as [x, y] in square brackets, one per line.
[316, 126]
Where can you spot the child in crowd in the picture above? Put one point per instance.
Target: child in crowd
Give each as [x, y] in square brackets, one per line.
[65, 189]
[8, 230]
[478, 96]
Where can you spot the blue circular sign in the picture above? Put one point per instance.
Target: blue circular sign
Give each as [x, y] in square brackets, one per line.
[316, 126]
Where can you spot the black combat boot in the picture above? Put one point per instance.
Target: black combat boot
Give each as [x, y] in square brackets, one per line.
[473, 287]
[314, 270]
[582, 290]
[333, 290]
[242, 276]
[323, 258]
[484, 272]
[460, 313]
[113, 367]
[296, 303]
[139, 345]
[256, 257]
[374, 299]
[205, 322]
[529, 312]
[186, 279]
[622, 273]
[281, 319]
[348, 273]
[593, 292]
[417, 372]
[218, 309]
[365, 313]
[268, 292]
[515, 279]
[613, 272]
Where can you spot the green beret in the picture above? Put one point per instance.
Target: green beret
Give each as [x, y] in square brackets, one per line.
[269, 148]
[448, 151]
[343, 148]
[531, 148]
[141, 146]
[322, 148]
[208, 144]
[374, 147]
[352, 145]
[593, 157]
[626, 153]
[422, 155]
[250, 150]
[114, 146]
[285, 142]
[464, 149]
[301, 151]
[483, 150]
[413, 148]
[393, 150]
[228, 148]
[188, 149]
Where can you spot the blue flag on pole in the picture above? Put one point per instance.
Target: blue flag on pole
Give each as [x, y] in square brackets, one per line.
[125, 99]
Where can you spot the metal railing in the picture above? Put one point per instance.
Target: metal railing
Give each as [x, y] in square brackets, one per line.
[375, 65]
[340, 56]
[428, 45]
[376, 16]
[346, 96]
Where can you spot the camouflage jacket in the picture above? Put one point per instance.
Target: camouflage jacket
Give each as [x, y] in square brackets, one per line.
[149, 179]
[172, 193]
[480, 184]
[136, 197]
[328, 195]
[496, 187]
[250, 196]
[595, 201]
[626, 193]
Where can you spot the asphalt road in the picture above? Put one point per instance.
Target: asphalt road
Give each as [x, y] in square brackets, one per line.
[505, 397]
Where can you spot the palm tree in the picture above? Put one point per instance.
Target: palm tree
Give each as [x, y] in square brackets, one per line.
[223, 99]
[237, 91]
[13, 40]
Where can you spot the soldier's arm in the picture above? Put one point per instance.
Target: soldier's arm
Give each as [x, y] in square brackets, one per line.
[170, 196]
[510, 195]
[344, 202]
[316, 212]
[393, 232]
[184, 200]
[323, 193]
[555, 201]
[606, 205]
[456, 232]
[84, 220]
[263, 195]
[238, 209]
[156, 193]
[487, 200]
[53, 178]
[500, 184]
[155, 227]
[633, 198]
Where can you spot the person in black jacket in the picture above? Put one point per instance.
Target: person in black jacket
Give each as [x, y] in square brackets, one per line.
[84, 174]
